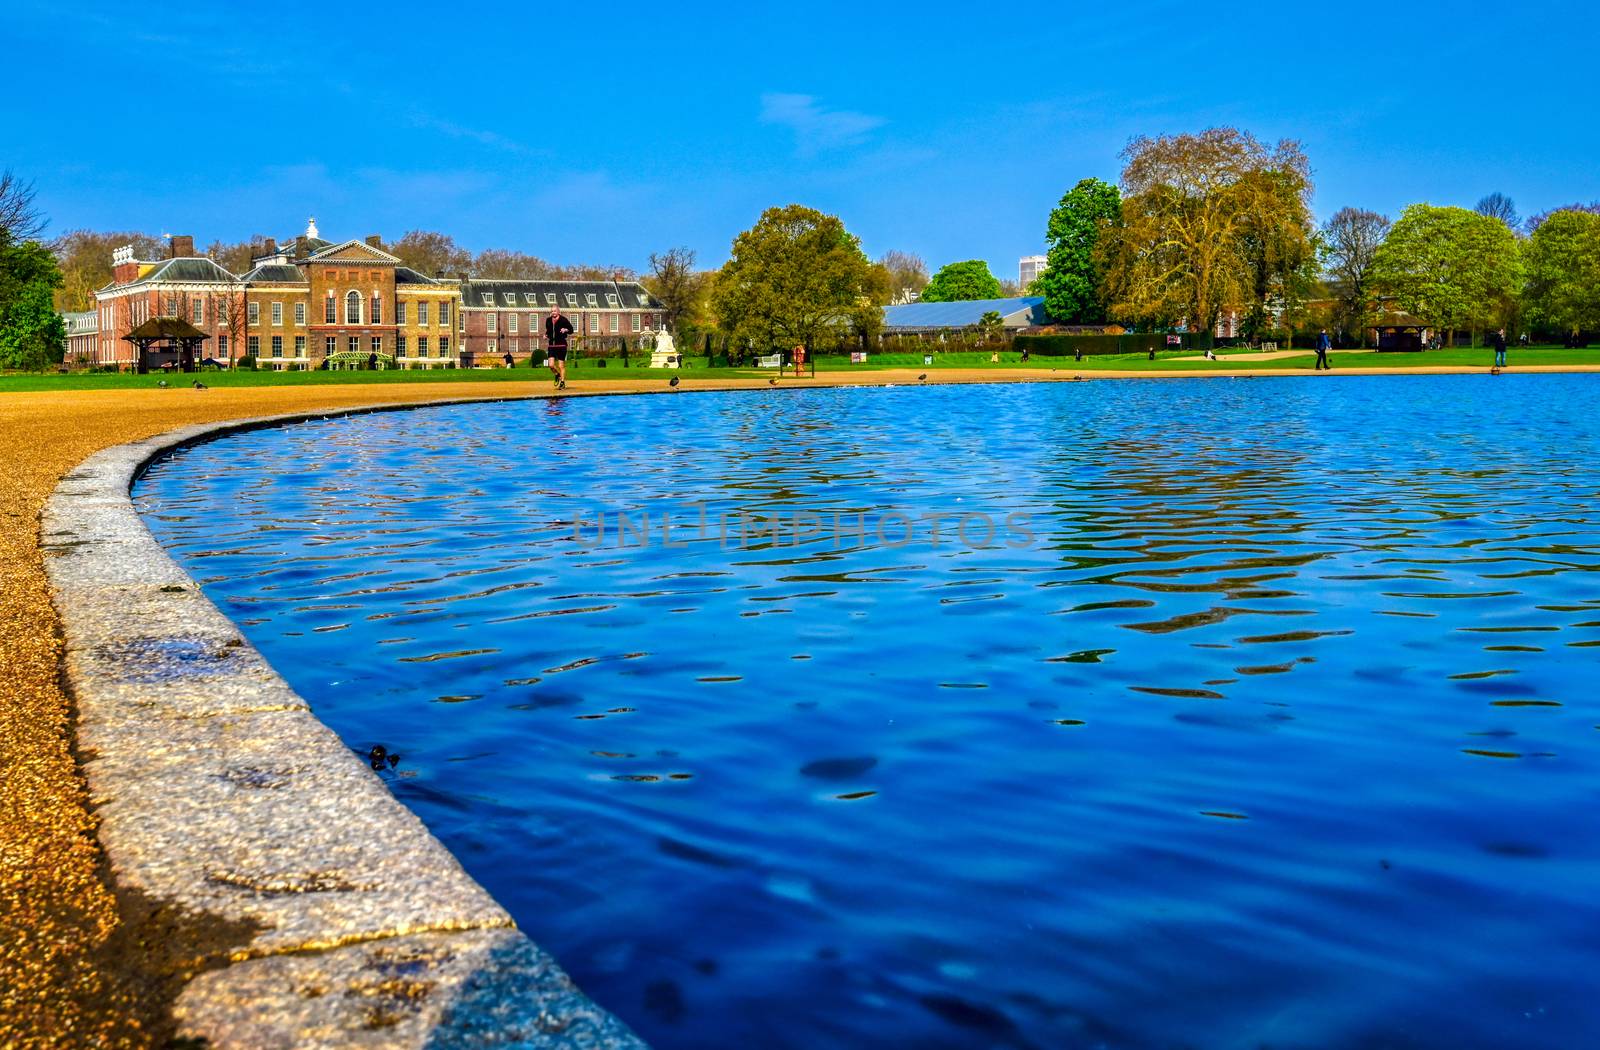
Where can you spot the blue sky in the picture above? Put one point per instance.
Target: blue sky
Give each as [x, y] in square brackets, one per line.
[599, 133]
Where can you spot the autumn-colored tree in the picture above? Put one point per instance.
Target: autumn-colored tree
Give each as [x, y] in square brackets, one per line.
[1211, 222]
[239, 257]
[500, 264]
[429, 252]
[1563, 267]
[1453, 268]
[792, 278]
[1350, 241]
[85, 258]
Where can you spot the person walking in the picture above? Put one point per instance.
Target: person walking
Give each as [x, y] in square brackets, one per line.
[556, 331]
[1324, 344]
[511, 362]
[1500, 348]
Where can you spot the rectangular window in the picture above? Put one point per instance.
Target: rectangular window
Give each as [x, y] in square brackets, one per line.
[329, 344]
[590, 299]
[299, 346]
[488, 298]
[254, 312]
[277, 346]
[422, 313]
[377, 310]
[300, 314]
[511, 298]
[254, 344]
[444, 314]
[222, 345]
[400, 346]
[353, 344]
[377, 344]
[199, 311]
[277, 315]
[444, 346]
[400, 311]
[511, 322]
[611, 300]
[513, 346]
[492, 346]
[532, 299]
[494, 323]
[422, 346]
[616, 324]
[550, 298]
[572, 298]
[329, 315]
[635, 322]
[594, 323]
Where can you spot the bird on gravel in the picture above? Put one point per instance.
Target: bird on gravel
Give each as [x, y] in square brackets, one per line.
[673, 382]
[772, 382]
[200, 386]
[923, 377]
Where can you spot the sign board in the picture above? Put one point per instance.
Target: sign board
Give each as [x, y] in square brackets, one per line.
[858, 357]
[770, 361]
[927, 359]
[1174, 340]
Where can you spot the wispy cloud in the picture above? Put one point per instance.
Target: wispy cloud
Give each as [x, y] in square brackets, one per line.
[492, 139]
[817, 128]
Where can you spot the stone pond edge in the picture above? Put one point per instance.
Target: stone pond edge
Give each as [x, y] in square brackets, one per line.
[325, 913]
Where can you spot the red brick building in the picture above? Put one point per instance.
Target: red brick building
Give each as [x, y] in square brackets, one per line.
[507, 317]
[183, 285]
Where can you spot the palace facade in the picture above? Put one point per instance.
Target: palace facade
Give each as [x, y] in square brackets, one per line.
[507, 317]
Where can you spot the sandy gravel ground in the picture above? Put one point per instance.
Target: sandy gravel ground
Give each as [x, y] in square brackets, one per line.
[80, 963]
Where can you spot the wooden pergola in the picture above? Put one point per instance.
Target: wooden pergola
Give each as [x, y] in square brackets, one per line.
[164, 341]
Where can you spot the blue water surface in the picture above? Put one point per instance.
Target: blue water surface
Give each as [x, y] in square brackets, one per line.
[1217, 713]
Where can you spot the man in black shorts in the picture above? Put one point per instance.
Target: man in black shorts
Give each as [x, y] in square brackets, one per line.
[556, 330]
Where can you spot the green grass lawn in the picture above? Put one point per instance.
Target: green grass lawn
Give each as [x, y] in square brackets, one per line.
[613, 369]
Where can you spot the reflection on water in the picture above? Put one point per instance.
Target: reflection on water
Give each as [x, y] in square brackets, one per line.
[1280, 732]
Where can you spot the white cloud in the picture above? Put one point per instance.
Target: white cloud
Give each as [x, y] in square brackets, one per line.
[815, 127]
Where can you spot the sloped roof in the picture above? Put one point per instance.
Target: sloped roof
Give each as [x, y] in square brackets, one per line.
[275, 273]
[406, 275]
[631, 295]
[166, 328]
[1027, 310]
[330, 253]
[191, 270]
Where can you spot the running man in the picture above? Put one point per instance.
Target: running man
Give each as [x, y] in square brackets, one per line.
[1323, 346]
[1500, 348]
[556, 330]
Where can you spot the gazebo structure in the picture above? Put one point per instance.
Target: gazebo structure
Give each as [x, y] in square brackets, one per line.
[165, 342]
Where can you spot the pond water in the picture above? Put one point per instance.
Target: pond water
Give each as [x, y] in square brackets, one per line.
[1205, 713]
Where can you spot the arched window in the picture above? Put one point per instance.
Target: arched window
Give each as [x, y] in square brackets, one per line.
[352, 308]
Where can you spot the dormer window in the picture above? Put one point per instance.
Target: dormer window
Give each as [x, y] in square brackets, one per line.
[532, 300]
[488, 298]
[550, 298]
[592, 299]
[611, 300]
[572, 298]
[511, 298]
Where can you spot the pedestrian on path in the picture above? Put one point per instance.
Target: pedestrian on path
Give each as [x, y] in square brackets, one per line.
[556, 330]
[1323, 346]
[1500, 348]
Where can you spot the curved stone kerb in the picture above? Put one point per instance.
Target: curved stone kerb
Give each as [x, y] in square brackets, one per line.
[220, 795]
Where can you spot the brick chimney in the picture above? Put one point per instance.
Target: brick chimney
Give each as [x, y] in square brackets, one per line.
[272, 246]
[181, 247]
[124, 267]
[375, 241]
[438, 274]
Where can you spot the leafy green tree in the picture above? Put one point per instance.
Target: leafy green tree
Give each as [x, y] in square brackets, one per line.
[992, 325]
[1563, 267]
[1453, 268]
[960, 282]
[1071, 283]
[793, 277]
[32, 334]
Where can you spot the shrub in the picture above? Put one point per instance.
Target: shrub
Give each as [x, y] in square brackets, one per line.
[1066, 345]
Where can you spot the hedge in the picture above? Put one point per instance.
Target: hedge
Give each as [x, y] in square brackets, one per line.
[1067, 345]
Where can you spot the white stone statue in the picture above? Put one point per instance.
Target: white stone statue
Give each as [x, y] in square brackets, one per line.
[665, 354]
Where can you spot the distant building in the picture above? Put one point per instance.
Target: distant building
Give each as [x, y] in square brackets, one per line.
[83, 336]
[184, 285]
[1030, 267]
[502, 317]
[1025, 312]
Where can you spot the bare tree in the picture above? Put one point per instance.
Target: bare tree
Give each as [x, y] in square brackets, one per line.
[237, 258]
[907, 274]
[504, 264]
[674, 280]
[431, 253]
[1533, 222]
[1498, 206]
[1352, 237]
[19, 218]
